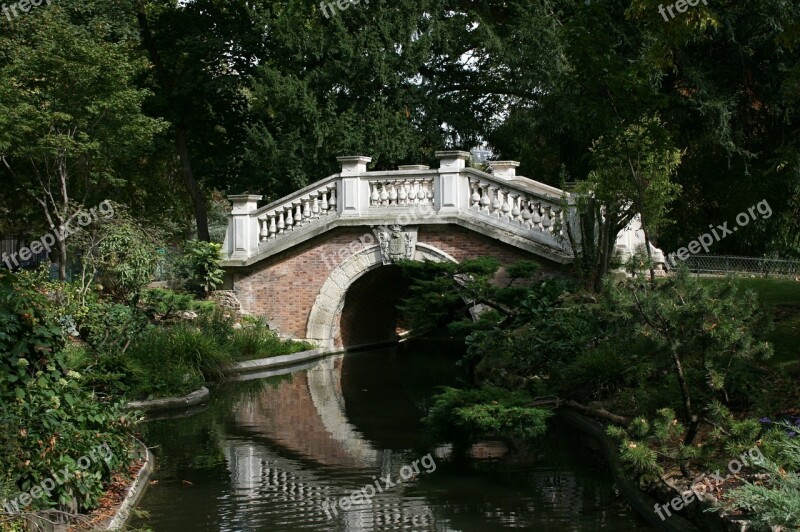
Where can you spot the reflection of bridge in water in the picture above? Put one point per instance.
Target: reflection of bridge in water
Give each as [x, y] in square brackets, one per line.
[305, 418]
[269, 457]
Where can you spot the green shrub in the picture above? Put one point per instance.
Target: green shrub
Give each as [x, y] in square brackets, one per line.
[176, 360]
[469, 414]
[595, 375]
[256, 340]
[776, 502]
[163, 304]
[216, 322]
[48, 417]
[120, 254]
[198, 267]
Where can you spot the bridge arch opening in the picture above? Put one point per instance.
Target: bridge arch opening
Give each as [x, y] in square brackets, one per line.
[369, 314]
[331, 324]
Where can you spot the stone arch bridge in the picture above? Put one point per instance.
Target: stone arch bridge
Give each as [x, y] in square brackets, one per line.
[318, 264]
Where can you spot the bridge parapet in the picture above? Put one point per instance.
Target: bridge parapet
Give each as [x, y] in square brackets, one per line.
[520, 208]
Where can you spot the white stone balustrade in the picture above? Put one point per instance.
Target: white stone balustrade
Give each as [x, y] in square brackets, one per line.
[514, 209]
[401, 192]
[297, 212]
[516, 206]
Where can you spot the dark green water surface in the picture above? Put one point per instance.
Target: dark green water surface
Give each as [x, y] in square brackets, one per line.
[266, 454]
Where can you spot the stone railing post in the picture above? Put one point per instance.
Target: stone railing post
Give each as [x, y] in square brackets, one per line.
[452, 188]
[504, 169]
[354, 193]
[242, 237]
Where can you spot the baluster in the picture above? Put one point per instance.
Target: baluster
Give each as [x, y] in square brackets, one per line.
[384, 195]
[392, 194]
[412, 192]
[273, 230]
[281, 223]
[506, 208]
[547, 222]
[298, 213]
[323, 205]
[526, 214]
[374, 198]
[289, 218]
[264, 233]
[332, 200]
[475, 199]
[515, 208]
[495, 200]
[536, 219]
[485, 201]
[557, 221]
[315, 206]
[403, 195]
[429, 194]
[421, 194]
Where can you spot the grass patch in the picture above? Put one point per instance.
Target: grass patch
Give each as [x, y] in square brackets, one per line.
[173, 361]
[782, 298]
[255, 340]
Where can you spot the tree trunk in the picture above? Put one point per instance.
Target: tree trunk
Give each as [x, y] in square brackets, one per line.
[198, 201]
[603, 248]
[647, 247]
[693, 420]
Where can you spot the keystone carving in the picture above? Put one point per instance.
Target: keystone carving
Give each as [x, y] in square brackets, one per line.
[397, 243]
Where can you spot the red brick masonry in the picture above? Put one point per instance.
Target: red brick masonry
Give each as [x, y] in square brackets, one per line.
[284, 287]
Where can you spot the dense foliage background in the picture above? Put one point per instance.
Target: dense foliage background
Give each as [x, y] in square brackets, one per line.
[164, 105]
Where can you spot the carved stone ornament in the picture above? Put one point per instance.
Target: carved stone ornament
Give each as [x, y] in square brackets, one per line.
[397, 243]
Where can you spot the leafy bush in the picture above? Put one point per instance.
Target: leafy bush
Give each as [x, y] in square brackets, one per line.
[645, 440]
[163, 304]
[198, 267]
[120, 254]
[48, 419]
[469, 414]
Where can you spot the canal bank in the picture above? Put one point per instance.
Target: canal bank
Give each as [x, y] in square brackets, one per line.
[268, 454]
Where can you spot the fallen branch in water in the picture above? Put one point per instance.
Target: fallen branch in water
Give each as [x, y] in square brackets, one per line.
[602, 414]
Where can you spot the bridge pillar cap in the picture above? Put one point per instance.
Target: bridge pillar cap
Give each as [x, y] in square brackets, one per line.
[452, 159]
[504, 168]
[244, 203]
[354, 164]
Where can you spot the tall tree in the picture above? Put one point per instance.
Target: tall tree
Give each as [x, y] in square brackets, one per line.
[71, 112]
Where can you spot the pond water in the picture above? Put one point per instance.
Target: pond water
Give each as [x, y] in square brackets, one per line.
[269, 453]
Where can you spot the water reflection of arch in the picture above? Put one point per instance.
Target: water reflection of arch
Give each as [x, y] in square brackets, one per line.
[266, 482]
[306, 418]
[306, 415]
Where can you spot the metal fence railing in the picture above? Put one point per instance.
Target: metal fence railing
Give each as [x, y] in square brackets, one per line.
[752, 266]
[9, 254]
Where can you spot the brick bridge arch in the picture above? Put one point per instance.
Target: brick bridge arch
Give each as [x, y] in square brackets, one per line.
[325, 319]
[313, 262]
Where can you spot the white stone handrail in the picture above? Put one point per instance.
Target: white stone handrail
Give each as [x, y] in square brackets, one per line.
[453, 193]
[514, 204]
